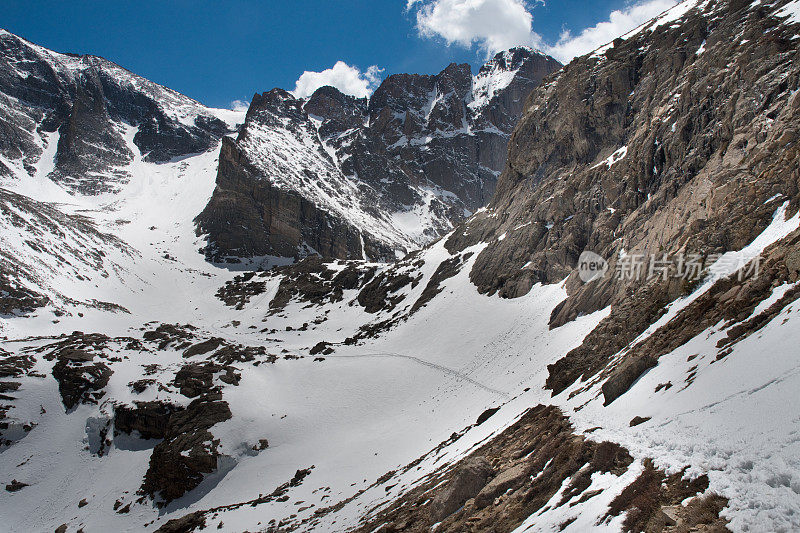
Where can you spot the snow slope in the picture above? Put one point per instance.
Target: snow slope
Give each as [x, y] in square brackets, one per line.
[372, 408]
[357, 416]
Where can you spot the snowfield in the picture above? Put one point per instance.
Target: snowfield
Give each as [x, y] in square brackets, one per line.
[372, 408]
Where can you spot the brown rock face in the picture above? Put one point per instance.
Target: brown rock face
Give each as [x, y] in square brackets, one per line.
[188, 451]
[691, 127]
[510, 477]
[625, 376]
[679, 140]
[249, 216]
[195, 379]
[467, 482]
[331, 174]
[191, 522]
[88, 143]
[505, 480]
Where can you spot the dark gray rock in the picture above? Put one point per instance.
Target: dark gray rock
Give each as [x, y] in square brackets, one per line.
[466, 483]
[149, 419]
[326, 175]
[188, 452]
[197, 379]
[80, 380]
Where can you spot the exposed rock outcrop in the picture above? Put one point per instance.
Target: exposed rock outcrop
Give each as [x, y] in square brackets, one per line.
[252, 214]
[150, 420]
[80, 380]
[81, 376]
[195, 379]
[15, 299]
[466, 483]
[336, 175]
[518, 472]
[188, 452]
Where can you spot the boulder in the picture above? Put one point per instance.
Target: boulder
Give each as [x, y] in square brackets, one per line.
[625, 376]
[508, 478]
[467, 481]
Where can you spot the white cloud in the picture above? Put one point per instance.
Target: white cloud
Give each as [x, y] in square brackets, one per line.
[619, 23]
[239, 105]
[349, 80]
[495, 25]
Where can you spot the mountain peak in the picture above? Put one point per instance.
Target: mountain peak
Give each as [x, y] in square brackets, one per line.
[402, 166]
[504, 68]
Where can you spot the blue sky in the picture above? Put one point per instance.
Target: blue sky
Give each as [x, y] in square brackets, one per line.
[217, 52]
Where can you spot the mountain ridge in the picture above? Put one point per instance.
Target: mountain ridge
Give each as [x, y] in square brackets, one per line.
[478, 383]
[412, 159]
[84, 99]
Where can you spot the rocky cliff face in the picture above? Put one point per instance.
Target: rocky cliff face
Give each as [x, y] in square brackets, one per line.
[395, 171]
[306, 205]
[447, 131]
[680, 140]
[78, 119]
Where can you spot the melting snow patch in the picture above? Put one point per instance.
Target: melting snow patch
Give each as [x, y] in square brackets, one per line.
[700, 50]
[791, 10]
[729, 263]
[772, 198]
[777, 294]
[614, 158]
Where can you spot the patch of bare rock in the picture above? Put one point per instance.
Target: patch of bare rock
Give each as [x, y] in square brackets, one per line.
[518, 472]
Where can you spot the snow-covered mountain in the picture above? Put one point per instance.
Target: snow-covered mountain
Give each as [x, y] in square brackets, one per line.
[78, 129]
[476, 384]
[66, 118]
[83, 142]
[351, 178]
